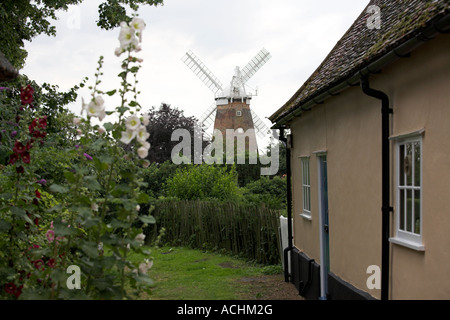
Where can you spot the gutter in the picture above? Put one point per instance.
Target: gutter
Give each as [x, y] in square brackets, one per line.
[386, 209]
[401, 51]
[289, 206]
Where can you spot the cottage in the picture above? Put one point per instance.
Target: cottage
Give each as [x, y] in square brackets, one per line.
[370, 160]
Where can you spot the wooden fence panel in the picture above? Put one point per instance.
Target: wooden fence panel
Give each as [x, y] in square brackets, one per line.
[245, 230]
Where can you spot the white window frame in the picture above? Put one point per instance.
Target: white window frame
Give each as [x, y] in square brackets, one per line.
[238, 113]
[306, 187]
[408, 238]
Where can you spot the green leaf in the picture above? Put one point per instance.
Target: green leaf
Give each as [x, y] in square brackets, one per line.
[63, 230]
[119, 224]
[144, 279]
[70, 176]
[4, 226]
[20, 213]
[147, 219]
[122, 110]
[58, 188]
[134, 69]
[111, 93]
[90, 249]
[108, 126]
[92, 183]
[143, 198]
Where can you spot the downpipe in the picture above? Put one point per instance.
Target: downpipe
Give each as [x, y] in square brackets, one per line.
[386, 209]
[289, 207]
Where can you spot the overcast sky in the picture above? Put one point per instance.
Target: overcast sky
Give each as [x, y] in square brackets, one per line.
[222, 33]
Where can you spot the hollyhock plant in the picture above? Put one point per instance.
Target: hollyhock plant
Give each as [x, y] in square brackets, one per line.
[90, 188]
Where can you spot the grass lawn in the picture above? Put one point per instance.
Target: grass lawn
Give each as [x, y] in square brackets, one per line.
[186, 274]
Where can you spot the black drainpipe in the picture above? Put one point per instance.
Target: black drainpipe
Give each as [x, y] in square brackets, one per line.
[386, 208]
[289, 205]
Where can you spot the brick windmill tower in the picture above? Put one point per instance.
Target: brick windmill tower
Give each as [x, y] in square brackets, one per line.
[231, 109]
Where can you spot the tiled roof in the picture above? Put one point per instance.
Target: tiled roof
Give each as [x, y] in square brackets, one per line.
[400, 20]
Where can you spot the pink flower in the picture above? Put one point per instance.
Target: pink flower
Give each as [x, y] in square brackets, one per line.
[26, 95]
[10, 288]
[26, 157]
[13, 158]
[51, 263]
[19, 147]
[39, 264]
[50, 235]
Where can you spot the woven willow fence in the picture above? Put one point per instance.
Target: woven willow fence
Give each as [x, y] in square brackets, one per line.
[247, 231]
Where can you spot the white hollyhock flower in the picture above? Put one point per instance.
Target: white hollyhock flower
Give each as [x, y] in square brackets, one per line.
[96, 108]
[142, 134]
[127, 38]
[145, 144]
[145, 266]
[140, 237]
[138, 25]
[133, 123]
[119, 51]
[142, 152]
[127, 136]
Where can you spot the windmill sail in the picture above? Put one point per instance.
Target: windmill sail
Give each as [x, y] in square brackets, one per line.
[255, 64]
[207, 119]
[198, 67]
[260, 127]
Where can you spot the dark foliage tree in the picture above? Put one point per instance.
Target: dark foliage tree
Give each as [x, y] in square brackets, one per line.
[162, 123]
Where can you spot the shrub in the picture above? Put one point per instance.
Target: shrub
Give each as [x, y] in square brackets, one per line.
[271, 191]
[203, 182]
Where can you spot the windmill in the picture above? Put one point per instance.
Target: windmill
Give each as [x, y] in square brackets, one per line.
[231, 109]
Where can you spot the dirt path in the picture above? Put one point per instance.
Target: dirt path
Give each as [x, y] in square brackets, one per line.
[269, 287]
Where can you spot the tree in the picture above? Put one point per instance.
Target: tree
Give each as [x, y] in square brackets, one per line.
[162, 123]
[23, 20]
